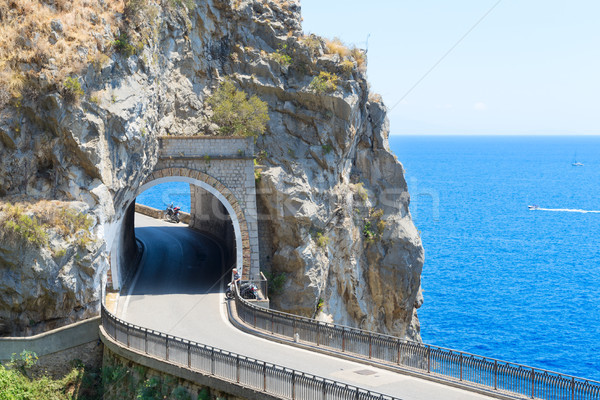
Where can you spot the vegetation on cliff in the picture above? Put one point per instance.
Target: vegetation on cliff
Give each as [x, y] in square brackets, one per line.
[31, 223]
[18, 382]
[235, 114]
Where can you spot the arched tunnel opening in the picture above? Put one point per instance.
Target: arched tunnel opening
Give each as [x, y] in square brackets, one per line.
[203, 212]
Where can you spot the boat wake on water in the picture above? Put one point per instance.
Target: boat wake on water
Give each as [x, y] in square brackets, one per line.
[564, 210]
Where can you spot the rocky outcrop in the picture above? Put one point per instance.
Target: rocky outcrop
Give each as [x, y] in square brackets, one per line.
[332, 198]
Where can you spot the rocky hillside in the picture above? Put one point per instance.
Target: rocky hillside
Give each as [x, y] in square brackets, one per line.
[79, 126]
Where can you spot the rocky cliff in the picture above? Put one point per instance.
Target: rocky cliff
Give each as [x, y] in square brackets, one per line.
[335, 229]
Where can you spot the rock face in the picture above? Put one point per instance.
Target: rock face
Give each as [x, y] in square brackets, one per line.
[333, 204]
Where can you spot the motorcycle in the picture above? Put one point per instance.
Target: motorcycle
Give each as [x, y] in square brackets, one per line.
[247, 291]
[229, 291]
[172, 213]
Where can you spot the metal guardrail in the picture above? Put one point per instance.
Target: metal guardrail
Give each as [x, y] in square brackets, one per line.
[460, 367]
[269, 378]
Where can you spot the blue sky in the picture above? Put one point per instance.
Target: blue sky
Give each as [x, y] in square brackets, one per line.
[529, 67]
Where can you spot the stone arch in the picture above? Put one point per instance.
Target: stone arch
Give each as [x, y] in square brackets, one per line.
[221, 192]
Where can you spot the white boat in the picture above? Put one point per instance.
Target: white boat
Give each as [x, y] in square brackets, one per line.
[576, 163]
[534, 207]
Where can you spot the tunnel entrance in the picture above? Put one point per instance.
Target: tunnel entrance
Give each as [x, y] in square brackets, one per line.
[209, 212]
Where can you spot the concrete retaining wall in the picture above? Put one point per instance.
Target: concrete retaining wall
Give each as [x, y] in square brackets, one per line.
[53, 341]
[158, 214]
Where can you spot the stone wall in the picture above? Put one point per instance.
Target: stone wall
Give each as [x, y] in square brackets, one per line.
[53, 341]
[219, 147]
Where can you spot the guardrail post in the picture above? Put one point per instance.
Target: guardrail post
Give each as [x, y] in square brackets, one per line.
[293, 384]
[357, 394]
[343, 339]
[294, 327]
[572, 388]
[189, 355]
[461, 365]
[264, 377]
[212, 361]
[167, 348]
[146, 342]
[324, 390]
[272, 323]
[254, 313]
[428, 359]
[532, 383]
[128, 336]
[495, 374]
[237, 368]
[370, 345]
[318, 333]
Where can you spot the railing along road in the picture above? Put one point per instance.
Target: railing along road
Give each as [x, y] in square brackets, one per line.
[269, 378]
[460, 367]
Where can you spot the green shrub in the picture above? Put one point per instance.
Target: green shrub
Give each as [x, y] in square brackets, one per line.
[15, 384]
[257, 172]
[374, 225]
[23, 361]
[59, 253]
[150, 390]
[113, 374]
[325, 82]
[320, 304]
[368, 232]
[72, 90]
[123, 46]
[327, 148]
[181, 393]
[322, 240]
[275, 282]
[281, 56]
[204, 394]
[235, 114]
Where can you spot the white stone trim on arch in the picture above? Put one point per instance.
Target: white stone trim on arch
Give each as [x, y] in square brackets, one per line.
[232, 213]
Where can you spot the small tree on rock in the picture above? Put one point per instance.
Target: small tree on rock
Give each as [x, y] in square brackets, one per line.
[235, 113]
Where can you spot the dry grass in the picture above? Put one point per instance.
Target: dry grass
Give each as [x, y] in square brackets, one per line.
[32, 219]
[336, 46]
[375, 98]
[30, 48]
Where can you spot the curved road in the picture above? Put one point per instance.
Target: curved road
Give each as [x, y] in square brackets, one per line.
[178, 291]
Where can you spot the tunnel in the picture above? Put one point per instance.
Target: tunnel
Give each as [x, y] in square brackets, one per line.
[210, 213]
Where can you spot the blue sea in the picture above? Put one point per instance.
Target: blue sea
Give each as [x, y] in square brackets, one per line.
[161, 196]
[500, 280]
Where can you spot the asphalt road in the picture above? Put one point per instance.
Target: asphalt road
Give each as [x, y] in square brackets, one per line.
[178, 290]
